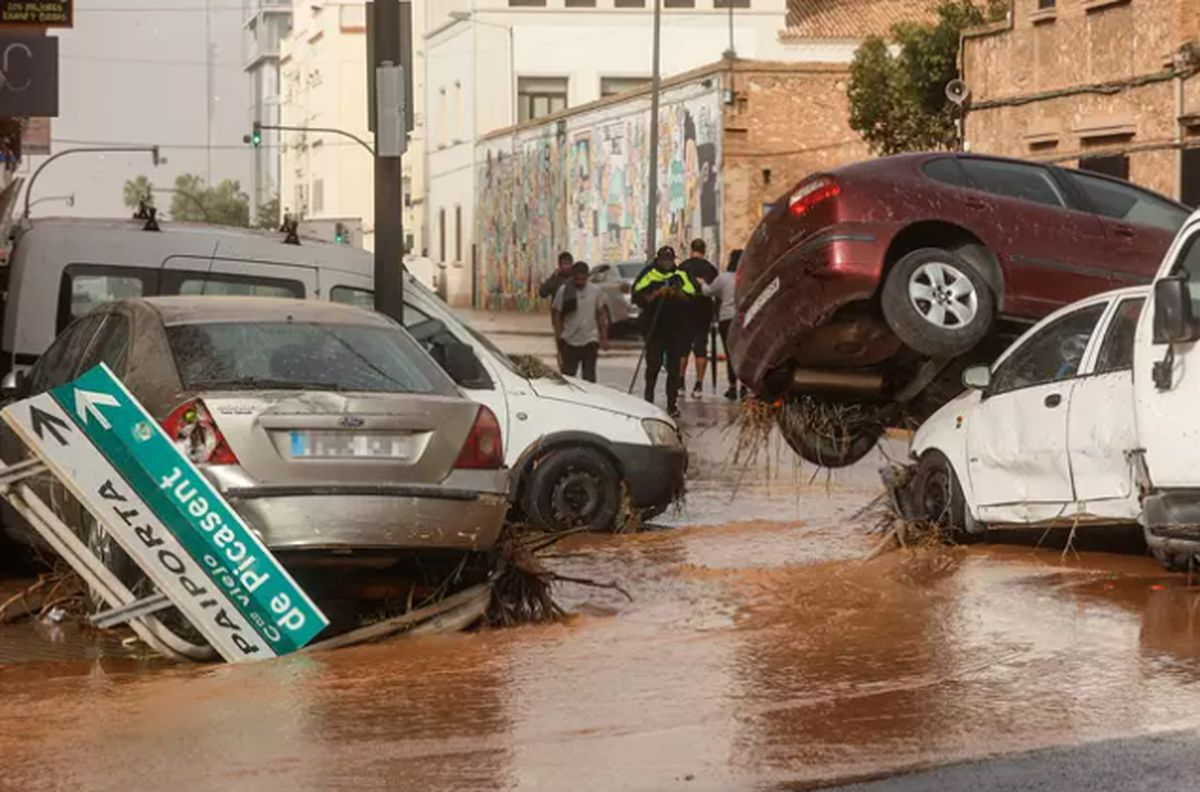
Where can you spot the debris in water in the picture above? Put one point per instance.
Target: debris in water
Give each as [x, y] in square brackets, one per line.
[533, 367]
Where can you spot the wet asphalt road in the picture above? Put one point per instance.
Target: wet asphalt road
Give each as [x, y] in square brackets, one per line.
[760, 651]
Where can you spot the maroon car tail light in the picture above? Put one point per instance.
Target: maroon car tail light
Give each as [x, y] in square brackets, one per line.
[193, 431]
[810, 194]
[484, 448]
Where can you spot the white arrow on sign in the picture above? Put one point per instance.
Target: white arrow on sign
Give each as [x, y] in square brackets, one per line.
[87, 403]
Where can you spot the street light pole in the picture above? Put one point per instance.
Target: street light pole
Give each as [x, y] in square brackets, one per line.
[324, 130]
[389, 189]
[152, 150]
[652, 197]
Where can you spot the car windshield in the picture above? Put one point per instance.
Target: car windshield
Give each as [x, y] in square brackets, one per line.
[630, 269]
[306, 356]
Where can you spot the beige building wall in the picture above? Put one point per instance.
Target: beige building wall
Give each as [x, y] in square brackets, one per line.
[785, 122]
[1087, 78]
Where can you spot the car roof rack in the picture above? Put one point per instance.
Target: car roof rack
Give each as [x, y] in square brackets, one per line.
[291, 228]
[147, 212]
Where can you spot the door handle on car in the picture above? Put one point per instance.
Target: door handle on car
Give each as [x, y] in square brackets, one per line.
[1123, 231]
[974, 203]
[1053, 400]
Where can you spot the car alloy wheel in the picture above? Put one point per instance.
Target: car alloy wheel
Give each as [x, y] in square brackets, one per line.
[943, 295]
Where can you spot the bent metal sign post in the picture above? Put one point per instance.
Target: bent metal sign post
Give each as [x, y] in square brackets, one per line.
[114, 457]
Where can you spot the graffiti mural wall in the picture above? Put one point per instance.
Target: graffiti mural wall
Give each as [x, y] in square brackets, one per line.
[580, 184]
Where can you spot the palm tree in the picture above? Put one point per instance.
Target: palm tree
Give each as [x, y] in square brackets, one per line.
[138, 190]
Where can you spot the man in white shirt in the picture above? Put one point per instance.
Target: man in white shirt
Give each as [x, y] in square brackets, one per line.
[580, 324]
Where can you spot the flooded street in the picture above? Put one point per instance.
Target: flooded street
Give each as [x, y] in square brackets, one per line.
[759, 651]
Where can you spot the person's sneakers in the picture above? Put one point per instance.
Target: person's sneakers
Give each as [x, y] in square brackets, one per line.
[697, 390]
[745, 392]
[673, 411]
[732, 393]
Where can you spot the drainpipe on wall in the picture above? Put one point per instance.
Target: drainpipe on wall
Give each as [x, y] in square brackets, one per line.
[1180, 70]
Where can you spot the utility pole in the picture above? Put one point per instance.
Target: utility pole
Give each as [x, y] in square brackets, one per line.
[652, 198]
[389, 142]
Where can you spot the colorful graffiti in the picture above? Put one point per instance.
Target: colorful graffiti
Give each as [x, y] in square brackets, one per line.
[582, 185]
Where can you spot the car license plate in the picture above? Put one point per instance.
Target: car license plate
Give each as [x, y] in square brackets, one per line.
[760, 301]
[308, 444]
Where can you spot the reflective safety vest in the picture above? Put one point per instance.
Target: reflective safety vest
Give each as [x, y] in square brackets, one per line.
[656, 276]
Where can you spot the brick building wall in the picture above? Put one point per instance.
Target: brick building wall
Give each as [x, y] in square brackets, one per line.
[785, 122]
[1089, 83]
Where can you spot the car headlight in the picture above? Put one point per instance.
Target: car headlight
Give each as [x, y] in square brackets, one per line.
[660, 433]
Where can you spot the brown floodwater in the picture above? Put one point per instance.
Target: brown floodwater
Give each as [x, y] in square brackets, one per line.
[755, 654]
[760, 651]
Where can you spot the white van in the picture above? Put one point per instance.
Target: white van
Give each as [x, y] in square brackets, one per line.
[581, 454]
[1089, 418]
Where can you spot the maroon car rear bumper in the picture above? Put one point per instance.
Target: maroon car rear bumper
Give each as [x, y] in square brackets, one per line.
[816, 278]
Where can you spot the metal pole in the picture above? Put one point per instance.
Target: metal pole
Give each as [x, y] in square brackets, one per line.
[152, 150]
[652, 196]
[208, 91]
[389, 189]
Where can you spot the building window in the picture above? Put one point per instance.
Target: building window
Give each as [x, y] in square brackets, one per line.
[458, 234]
[1117, 165]
[581, 3]
[526, 3]
[442, 235]
[318, 196]
[1045, 5]
[540, 96]
[731, 3]
[629, 3]
[611, 86]
[679, 3]
[1189, 178]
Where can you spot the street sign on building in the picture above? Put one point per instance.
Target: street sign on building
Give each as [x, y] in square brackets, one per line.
[35, 137]
[28, 76]
[116, 460]
[37, 13]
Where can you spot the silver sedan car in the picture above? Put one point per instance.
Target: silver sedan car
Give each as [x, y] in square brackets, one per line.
[616, 286]
[327, 427]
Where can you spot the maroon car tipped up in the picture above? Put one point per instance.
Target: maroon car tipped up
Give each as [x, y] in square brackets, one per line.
[862, 285]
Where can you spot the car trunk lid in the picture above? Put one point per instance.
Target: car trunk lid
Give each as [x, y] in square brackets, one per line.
[321, 437]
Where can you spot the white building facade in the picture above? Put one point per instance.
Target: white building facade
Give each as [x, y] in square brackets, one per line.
[492, 64]
[265, 24]
[328, 178]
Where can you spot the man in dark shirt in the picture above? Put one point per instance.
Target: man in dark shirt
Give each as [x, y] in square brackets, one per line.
[701, 271]
[549, 289]
[664, 294]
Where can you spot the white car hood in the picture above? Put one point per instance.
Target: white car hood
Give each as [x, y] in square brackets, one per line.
[577, 391]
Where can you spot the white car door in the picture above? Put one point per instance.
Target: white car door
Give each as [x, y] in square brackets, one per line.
[1017, 439]
[1168, 420]
[1101, 428]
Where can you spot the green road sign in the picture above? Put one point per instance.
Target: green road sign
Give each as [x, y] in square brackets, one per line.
[192, 509]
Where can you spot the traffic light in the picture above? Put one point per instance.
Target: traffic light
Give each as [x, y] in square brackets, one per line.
[256, 134]
[339, 234]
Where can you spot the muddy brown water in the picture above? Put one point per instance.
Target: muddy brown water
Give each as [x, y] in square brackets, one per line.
[759, 651]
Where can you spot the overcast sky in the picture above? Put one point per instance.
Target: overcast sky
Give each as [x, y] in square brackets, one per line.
[132, 71]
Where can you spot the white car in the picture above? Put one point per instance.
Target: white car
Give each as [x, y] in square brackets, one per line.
[1047, 434]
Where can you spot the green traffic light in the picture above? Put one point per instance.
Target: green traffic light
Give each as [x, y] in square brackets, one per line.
[256, 139]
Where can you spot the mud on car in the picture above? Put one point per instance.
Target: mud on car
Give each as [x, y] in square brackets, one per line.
[871, 287]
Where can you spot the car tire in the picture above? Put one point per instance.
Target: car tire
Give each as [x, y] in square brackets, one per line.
[830, 449]
[572, 489]
[937, 498]
[1172, 562]
[937, 303]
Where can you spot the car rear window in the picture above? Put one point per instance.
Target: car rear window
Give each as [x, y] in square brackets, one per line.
[945, 170]
[307, 356]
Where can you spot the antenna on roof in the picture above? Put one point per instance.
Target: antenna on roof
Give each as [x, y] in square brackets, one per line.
[292, 230]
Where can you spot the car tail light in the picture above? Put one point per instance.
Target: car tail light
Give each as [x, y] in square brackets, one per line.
[810, 194]
[484, 448]
[195, 434]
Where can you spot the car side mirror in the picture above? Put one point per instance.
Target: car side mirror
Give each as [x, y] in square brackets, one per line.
[1173, 320]
[425, 330]
[15, 385]
[460, 362]
[977, 378]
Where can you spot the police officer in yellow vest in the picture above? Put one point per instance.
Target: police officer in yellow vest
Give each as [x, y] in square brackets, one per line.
[664, 293]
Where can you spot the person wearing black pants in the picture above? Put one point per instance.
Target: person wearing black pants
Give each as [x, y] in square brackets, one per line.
[721, 292]
[580, 324]
[664, 294]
